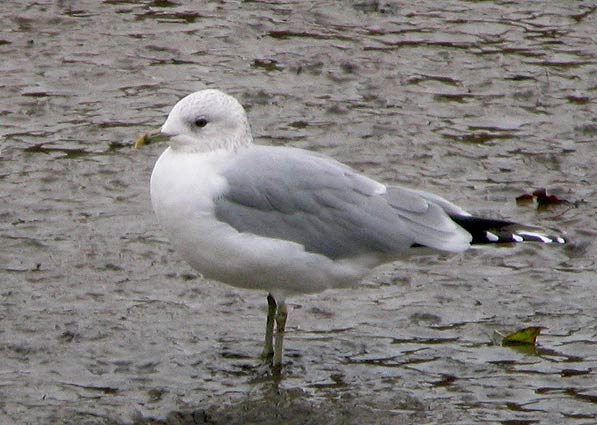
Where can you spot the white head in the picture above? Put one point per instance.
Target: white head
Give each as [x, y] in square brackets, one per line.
[207, 120]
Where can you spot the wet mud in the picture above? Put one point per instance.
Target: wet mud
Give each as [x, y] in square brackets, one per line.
[481, 102]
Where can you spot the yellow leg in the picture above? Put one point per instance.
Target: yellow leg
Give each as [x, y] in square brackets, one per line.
[281, 315]
[268, 347]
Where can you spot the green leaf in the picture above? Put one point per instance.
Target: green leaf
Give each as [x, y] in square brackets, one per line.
[525, 336]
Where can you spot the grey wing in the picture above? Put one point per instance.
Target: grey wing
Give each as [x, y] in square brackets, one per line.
[329, 208]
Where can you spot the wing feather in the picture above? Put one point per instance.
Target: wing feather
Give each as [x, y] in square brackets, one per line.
[329, 208]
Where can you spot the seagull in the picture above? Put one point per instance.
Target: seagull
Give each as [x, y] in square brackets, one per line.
[291, 221]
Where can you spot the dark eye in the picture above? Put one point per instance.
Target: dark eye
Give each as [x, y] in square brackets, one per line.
[200, 122]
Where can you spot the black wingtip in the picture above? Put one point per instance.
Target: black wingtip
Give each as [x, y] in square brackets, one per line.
[487, 231]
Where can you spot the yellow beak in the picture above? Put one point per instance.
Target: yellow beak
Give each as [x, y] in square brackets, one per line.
[150, 137]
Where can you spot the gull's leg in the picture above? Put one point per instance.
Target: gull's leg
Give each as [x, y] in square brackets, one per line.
[268, 347]
[281, 316]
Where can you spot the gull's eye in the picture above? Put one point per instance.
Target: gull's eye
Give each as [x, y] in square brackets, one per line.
[200, 122]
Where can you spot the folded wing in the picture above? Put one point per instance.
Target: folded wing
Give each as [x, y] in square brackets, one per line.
[329, 208]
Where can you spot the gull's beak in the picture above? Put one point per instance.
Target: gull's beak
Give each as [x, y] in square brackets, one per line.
[150, 137]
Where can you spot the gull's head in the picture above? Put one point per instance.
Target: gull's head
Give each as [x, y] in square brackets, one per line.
[204, 121]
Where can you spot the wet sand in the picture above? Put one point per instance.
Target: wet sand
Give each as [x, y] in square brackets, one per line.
[480, 102]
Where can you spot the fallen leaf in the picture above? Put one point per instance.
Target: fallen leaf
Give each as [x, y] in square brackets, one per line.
[525, 336]
[542, 198]
[525, 198]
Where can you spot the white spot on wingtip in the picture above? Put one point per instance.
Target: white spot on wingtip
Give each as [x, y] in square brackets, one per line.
[491, 237]
[517, 238]
[560, 239]
[539, 236]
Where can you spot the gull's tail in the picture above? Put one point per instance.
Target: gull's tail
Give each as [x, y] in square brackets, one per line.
[485, 230]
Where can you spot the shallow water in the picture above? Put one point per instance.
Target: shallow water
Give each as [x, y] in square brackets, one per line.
[478, 101]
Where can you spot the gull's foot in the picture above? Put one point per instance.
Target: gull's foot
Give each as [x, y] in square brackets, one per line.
[265, 370]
